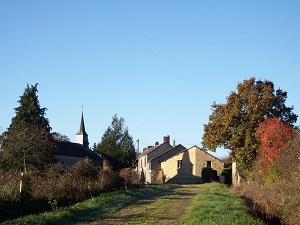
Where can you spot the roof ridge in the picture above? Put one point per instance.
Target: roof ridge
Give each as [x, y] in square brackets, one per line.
[169, 150]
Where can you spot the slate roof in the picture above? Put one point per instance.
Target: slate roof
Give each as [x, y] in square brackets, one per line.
[66, 148]
[157, 150]
[170, 153]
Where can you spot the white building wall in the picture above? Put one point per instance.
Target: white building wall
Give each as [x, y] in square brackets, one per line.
[79, 139]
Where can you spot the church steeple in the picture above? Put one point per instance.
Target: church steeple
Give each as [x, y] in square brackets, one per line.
[81, 135]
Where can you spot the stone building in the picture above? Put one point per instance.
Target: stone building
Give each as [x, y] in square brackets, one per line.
[186, 166]
[149, 161]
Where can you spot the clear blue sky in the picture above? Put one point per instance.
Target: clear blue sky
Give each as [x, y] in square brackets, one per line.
[158, 64]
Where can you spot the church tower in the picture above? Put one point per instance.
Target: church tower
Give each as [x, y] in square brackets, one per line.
[81, 135]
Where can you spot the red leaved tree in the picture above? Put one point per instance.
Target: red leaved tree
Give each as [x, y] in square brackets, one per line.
[273, 135]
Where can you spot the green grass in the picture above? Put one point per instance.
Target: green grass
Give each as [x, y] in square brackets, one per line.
[92, 209]
[151, 213]
[215, 205]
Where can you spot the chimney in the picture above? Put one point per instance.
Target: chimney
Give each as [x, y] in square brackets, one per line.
[156, 143]
[167, 139]
[174, 144]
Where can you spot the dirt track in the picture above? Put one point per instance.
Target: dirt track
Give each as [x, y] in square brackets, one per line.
[171, 215]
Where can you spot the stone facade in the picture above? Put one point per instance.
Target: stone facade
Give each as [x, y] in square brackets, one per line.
[149, 160]
[186, 167]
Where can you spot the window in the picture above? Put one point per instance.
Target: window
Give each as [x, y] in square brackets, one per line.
[179, 164]
[208, 164]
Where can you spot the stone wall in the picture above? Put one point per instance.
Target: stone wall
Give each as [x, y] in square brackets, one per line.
[189, 170]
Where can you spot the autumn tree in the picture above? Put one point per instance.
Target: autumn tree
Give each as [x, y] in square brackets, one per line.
[273, 135]
[28, 142]
[233, 125]
[117, 145]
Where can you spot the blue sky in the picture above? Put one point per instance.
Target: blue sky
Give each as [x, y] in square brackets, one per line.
[158, 64]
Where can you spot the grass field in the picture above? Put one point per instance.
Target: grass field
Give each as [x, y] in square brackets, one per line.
[215, 205]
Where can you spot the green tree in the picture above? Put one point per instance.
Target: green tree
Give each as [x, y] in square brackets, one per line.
[117, 145]
[29, 111]
[27, 147]
[28, 142]
[233, 125]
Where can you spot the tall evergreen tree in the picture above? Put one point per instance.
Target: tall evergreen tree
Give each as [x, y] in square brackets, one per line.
[28, 142]
[29, 111]
[117, 145]
[233, 125]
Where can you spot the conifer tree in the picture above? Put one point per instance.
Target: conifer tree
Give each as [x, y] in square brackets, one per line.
[28, 142]
[117, 145]
[29, 112]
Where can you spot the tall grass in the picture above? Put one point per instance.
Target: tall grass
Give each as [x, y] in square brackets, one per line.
[215, 205]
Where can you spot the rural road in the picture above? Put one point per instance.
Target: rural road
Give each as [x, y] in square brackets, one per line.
[176, 202]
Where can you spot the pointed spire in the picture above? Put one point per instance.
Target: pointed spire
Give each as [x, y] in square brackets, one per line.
[82, 127]
[81, 135]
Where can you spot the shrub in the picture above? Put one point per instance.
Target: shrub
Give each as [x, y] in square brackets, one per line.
[130, 177]
[9, 187]
[273, 135]
[58, 186]
[208, 174]
[277, 192]
[227, 172]
[110, 180]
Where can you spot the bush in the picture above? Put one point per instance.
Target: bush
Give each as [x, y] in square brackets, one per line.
[130, 177]
[227, 172]
[277, 192]
[208, 175]
[9, 187]
[58, 186]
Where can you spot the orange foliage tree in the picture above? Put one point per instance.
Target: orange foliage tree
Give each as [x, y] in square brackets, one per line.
[273, 135]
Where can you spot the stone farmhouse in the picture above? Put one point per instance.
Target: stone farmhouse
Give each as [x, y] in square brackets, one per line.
[174, 163]
[69, 153]
[151, 157]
